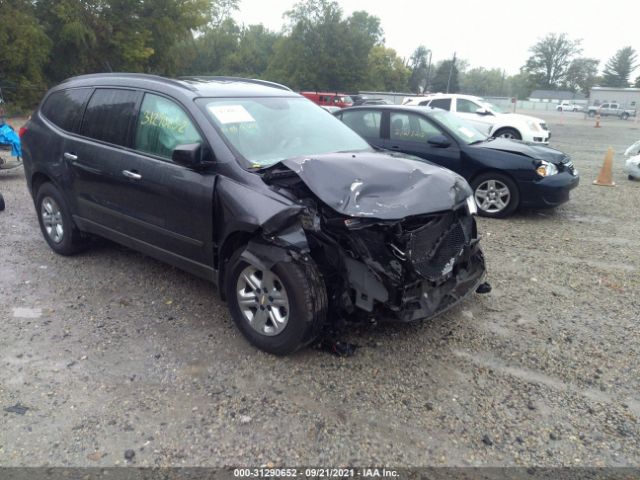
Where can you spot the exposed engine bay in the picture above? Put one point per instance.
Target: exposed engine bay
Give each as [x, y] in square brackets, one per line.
[403, 269]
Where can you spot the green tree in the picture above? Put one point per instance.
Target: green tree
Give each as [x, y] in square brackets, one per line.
[521, 85]
[420, 65]
[446, 77]
[321, 49]
[619, 67]
[386, 71]
[637, 84]
[581, 75]
[550, 59]
[24, 55]
[481, 81]
[255, 48]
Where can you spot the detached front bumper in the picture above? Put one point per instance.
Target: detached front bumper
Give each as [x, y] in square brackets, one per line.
[548, 192]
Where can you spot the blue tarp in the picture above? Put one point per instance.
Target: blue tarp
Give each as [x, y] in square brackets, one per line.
[9, 137]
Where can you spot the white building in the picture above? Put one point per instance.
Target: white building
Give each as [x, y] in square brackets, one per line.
[625, 97]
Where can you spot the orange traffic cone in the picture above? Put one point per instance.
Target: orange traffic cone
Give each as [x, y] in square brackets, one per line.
[605, 179]
[597, 120]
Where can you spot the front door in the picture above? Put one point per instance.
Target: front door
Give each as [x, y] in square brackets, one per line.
[173, 204]
[410, 133]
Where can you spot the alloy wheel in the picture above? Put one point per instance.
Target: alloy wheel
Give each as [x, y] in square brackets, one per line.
[492, 196]
[263, 300]
[52, 219]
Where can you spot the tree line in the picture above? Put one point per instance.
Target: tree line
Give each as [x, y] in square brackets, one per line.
[42, 42]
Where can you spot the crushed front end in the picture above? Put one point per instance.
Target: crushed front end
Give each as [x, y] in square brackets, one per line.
[398, 243]
[404, 270]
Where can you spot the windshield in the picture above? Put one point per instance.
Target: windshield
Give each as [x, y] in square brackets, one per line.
[463, 130]
[267, 130]
[491, 107]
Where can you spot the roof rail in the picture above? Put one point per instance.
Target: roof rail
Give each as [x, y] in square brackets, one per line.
[217, 78]
[140, 76]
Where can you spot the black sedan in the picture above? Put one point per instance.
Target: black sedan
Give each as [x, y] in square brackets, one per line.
[504, 174]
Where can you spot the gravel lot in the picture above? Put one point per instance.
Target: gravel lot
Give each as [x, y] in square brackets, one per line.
[111, 351]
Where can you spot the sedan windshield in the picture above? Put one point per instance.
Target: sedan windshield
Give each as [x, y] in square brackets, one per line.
[463, 130]
[267, 130]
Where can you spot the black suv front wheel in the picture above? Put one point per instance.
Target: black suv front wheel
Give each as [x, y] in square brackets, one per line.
[278, 309]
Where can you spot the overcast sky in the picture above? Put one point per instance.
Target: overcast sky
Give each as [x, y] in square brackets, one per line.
[487, 33]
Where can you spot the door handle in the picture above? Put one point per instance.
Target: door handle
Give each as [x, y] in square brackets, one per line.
[70, 156]
[132, 175]
[395, 147]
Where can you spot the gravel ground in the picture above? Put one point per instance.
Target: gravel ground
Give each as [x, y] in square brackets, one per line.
[111, 351]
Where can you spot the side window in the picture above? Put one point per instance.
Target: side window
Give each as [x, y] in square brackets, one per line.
[409, 127]
[162, 125]
[443, 103]
[604, 105]
[466, 106]
[109, 114]
[64, 108]
[365, 123]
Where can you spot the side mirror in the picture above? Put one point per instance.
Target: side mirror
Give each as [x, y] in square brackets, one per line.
[439, 141]
[192, 155]
[483, 111]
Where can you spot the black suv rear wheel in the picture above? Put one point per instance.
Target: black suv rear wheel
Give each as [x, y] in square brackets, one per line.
[280, 309]
[56, 223]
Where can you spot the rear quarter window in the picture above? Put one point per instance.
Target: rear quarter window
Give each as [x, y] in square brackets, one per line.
[64, 108]
[109, 115]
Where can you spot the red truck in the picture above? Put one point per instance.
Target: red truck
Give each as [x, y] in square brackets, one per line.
[327, 99]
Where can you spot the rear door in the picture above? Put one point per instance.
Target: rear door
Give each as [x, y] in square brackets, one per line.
[366, 123]
[99, 159]
[410, 132]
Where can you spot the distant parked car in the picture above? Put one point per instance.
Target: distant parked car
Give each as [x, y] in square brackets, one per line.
[503, 173]
[486, 117]
[325, 99]
[611, 109]
[632, 165]
[566, 106]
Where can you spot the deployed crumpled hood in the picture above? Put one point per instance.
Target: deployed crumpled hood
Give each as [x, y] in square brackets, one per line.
[380, 185]
[538, 152]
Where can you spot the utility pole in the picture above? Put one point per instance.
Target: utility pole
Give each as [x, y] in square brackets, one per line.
[426, 87]
[453, 64]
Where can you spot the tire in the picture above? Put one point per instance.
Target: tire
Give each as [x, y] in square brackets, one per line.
[575, 110]
[56, 224]
[624, 116]
[592, 113]
[502, 205]
[1, 202]
[511, 133]
[559, 109]
[301, 303]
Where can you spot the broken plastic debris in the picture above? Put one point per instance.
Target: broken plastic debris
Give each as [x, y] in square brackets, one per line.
[339, 349]
[17, 408]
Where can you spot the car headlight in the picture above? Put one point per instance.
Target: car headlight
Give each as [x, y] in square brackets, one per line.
[472, 208]
[533, 126]
[545, 169]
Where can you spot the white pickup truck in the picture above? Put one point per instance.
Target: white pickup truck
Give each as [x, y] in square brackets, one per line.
[486, 117]
[607, 109]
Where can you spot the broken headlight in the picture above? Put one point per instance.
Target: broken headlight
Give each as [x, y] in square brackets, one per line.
[545, 169]
[472, 207]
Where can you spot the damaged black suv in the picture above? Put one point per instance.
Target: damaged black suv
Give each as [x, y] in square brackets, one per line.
[293, 215]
